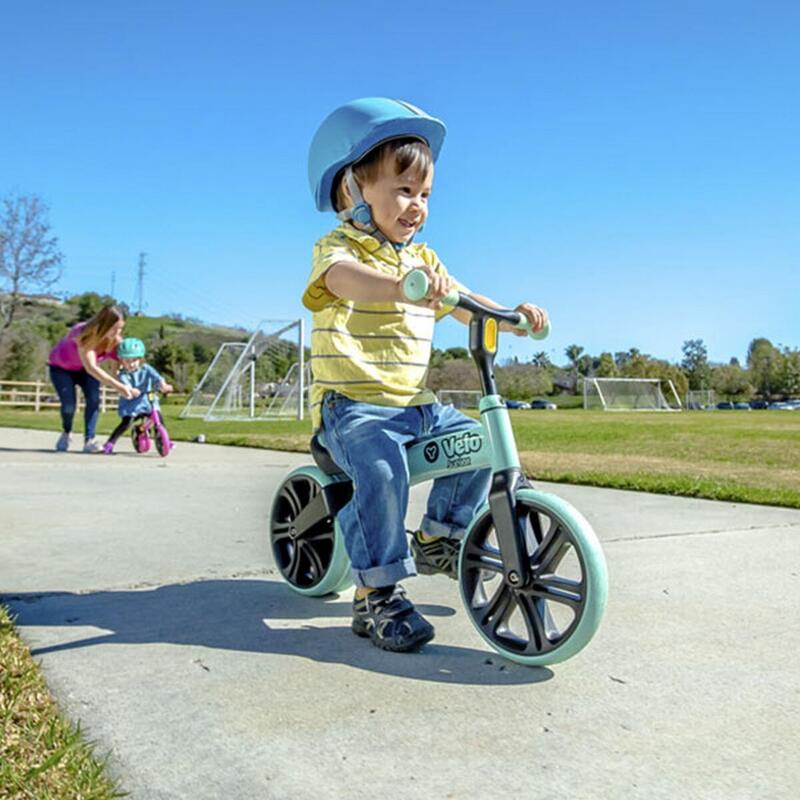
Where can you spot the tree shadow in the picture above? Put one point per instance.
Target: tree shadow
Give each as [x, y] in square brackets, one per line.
[256, 616]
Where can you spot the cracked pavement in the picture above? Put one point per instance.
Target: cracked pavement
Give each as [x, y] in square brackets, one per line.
[146, 590]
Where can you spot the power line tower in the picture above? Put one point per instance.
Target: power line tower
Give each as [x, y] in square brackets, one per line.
[113, 283]
[139, 304]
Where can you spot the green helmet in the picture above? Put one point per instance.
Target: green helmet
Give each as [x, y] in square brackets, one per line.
[131, 347]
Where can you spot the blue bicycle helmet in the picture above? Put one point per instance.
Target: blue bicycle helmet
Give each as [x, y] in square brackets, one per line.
[131, 347]
[354, 129]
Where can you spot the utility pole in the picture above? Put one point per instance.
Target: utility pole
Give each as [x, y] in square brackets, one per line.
[113, 283]
[140, 286]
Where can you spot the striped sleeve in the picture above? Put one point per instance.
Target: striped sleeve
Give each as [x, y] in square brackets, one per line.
[327, 251]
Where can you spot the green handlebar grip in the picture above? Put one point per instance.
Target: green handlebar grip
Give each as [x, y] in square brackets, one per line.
[415, 288]
[415, 285]
[526, 326]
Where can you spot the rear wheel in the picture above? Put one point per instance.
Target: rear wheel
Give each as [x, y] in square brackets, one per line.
[306, 543]
[557, 610]
[141, 441]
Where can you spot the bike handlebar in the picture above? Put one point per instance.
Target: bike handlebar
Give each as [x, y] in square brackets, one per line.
[415, 288]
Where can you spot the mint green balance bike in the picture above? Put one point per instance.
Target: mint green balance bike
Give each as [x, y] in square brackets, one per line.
[531, 571]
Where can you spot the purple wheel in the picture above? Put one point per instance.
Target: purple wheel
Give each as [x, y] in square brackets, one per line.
[163, 443]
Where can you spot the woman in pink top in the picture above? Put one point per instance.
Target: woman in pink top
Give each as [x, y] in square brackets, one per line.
[74, 362]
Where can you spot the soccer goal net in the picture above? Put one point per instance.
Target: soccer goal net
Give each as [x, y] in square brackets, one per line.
[459, 398]
[264, 378]
[700, 398]
[630, 394]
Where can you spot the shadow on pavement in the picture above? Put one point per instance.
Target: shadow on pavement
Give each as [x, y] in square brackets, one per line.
[258, 616]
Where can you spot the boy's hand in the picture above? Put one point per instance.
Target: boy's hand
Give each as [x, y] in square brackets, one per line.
[165, 387]
[438, 286]
[535, 315]
[129, 393]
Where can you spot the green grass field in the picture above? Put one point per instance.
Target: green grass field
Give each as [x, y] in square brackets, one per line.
[744, 456]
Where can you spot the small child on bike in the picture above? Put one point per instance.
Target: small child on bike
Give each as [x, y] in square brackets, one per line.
[135, 373]
[372, 161]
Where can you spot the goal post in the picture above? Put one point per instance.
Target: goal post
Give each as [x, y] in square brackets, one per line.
[459, 398]
[630, 394]
[264, 378]
[700, 399]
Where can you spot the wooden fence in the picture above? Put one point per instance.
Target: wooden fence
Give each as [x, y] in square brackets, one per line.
[39, 395]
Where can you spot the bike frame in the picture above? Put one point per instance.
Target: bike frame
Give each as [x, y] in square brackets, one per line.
[491, 445]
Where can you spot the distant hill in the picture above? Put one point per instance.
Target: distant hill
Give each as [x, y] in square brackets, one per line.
[181, 348]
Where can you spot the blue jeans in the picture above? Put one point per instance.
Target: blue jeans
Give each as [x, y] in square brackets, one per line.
[369, 443]
[65, 381]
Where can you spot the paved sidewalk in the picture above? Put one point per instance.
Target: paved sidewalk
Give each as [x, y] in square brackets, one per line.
[145, 588]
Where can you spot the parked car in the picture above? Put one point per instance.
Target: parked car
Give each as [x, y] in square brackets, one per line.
[742, 406]
[781, 406]
[544, 404]
[759, 404]
[725, 405]
[517, 404]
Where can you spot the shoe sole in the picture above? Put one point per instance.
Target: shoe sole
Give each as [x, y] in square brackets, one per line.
[408, 647]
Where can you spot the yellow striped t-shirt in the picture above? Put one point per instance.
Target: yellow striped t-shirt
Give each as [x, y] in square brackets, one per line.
[372, 352]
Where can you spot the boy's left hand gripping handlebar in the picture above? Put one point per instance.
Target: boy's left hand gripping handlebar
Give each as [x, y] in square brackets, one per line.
[415, 288]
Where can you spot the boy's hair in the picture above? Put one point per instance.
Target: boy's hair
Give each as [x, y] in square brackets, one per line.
[96, 331]
[406, 152]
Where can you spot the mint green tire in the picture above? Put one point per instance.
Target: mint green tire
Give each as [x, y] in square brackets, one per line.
[556, 611]
[306, 542]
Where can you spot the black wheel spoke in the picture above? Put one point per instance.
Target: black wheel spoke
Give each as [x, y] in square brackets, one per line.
[290, 494]
[498, 609]
[293, 568]
[534, 623]
[280, 530]
[551, 551]
[487, 558]
[313, 556]
[319, 534]
[559, 590]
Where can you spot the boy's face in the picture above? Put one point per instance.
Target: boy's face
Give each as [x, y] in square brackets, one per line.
[399, 203]
[131, 364]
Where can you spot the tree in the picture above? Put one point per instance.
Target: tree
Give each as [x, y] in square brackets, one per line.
[541, 360]
[29, 254]
[606, 366]
[573, 353]
[789, 372]
[764, 362]
[25, 353]
[89, 303]
[695, 363]
[523, 381]
[454, 373]
[730, 380]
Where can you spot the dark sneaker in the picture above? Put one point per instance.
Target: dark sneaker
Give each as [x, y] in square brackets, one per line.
[436, 557]
[390, 621]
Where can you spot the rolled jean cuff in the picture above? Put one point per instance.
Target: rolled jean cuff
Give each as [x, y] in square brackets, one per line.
[433, 527]
[385, 574]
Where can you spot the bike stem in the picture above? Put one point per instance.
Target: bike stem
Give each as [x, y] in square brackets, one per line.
[506, 470]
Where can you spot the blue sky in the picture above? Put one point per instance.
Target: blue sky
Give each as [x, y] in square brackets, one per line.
[632, 166]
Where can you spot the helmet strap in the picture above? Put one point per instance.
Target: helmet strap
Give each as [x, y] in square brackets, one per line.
[361, 214]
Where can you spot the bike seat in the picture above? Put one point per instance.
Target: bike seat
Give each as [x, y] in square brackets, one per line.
[325, 461]
[322, 457]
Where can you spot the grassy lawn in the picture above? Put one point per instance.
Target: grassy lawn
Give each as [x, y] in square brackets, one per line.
[42, 756]
[743, 456]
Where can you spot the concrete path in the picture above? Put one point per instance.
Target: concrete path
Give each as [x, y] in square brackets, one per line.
[145, 588]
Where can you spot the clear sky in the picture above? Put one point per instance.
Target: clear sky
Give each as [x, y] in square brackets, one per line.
[634, 167]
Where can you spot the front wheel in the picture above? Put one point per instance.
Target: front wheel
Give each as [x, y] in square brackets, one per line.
[306, 543]
[163, 443]
[557, 610]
